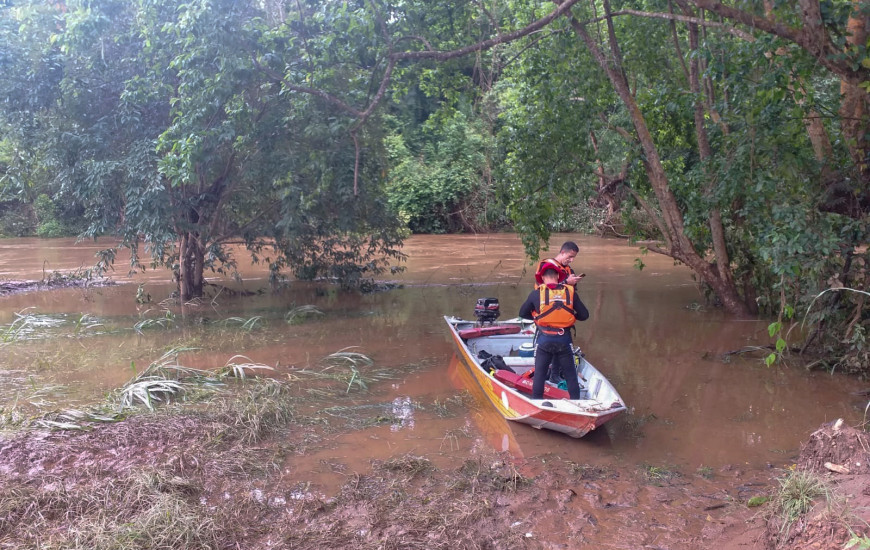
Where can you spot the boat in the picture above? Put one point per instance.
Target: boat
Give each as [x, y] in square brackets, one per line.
[496, 354]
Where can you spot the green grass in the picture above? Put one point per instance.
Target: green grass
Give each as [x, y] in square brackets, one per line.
[659, 475]
[300, 314]
[243, 369]
[246, 324]
[796, 496]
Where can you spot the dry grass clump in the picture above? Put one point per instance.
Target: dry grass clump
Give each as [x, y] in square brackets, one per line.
[300, 314]
[452, 406]
[387, 512]
[212, 475]
[483, 475]
[659, 476]
[143, 510]
[590, 472]
[338, 374]
[163, 380]
[147, 483]
[261, 407]
[12, 417]
[241, 462]
[241, 369]
[409, 465]
[809, 512]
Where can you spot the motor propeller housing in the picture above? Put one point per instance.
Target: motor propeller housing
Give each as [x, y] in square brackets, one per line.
[486, 310]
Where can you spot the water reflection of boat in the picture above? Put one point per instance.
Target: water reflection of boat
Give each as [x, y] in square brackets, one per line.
[510, 392]
[495, 429]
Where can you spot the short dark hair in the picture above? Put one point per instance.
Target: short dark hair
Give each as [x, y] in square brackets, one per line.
[550, 272]
[569, 246]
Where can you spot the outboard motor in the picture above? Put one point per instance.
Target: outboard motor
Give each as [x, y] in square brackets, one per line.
[486, 310]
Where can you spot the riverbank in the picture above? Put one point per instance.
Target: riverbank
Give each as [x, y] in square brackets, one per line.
[53, 282]
[223, 472]
[167, 480]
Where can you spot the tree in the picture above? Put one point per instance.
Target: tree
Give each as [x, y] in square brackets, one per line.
[31, 73]
[169, 135]
[701, 121]
[691, 187]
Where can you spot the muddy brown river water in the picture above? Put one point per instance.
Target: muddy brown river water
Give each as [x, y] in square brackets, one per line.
[648, 331]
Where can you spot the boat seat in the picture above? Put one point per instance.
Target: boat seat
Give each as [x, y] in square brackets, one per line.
[519, 361]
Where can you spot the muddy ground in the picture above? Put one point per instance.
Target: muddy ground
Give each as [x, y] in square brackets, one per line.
[219, 474]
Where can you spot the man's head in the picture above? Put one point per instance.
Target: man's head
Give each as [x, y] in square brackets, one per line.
[550, 276]
[567, 253]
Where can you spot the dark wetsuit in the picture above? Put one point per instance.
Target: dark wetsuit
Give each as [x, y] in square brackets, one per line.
[552, 348]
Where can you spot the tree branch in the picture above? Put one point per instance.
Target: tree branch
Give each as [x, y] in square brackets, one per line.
[675, 17]
[809, 39]
[626, 135]
[562, 9]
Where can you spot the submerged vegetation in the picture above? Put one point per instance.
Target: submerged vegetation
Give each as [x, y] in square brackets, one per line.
[197, 464]
[35, 351]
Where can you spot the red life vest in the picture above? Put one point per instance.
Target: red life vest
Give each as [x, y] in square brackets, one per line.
[557, 307]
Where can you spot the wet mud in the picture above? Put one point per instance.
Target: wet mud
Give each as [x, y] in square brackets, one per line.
[73, 490]
[254, 498]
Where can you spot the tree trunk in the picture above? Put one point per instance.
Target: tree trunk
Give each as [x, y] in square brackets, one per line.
[678, 244]
[190, 267]
[855, 104]
[609, 188]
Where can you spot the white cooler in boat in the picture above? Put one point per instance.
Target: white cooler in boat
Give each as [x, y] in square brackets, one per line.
[527, 350]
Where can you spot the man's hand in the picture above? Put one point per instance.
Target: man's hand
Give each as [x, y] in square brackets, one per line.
[574, 279]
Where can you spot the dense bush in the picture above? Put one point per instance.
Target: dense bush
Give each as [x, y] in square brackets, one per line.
[440, 186]
[16, 220]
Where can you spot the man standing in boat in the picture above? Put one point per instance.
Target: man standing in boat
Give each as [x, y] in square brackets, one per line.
[562, 263]
[555, 308]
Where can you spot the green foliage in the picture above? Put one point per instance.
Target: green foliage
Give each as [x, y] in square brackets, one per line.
[548, 173]
[757, 501]
[180, 139]
[45, 212]
[858, 541]
[16, 219]
[775, 329]
[49, 229]
[846, 348]
[436, 185]
[566, 134]
[182, 126]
